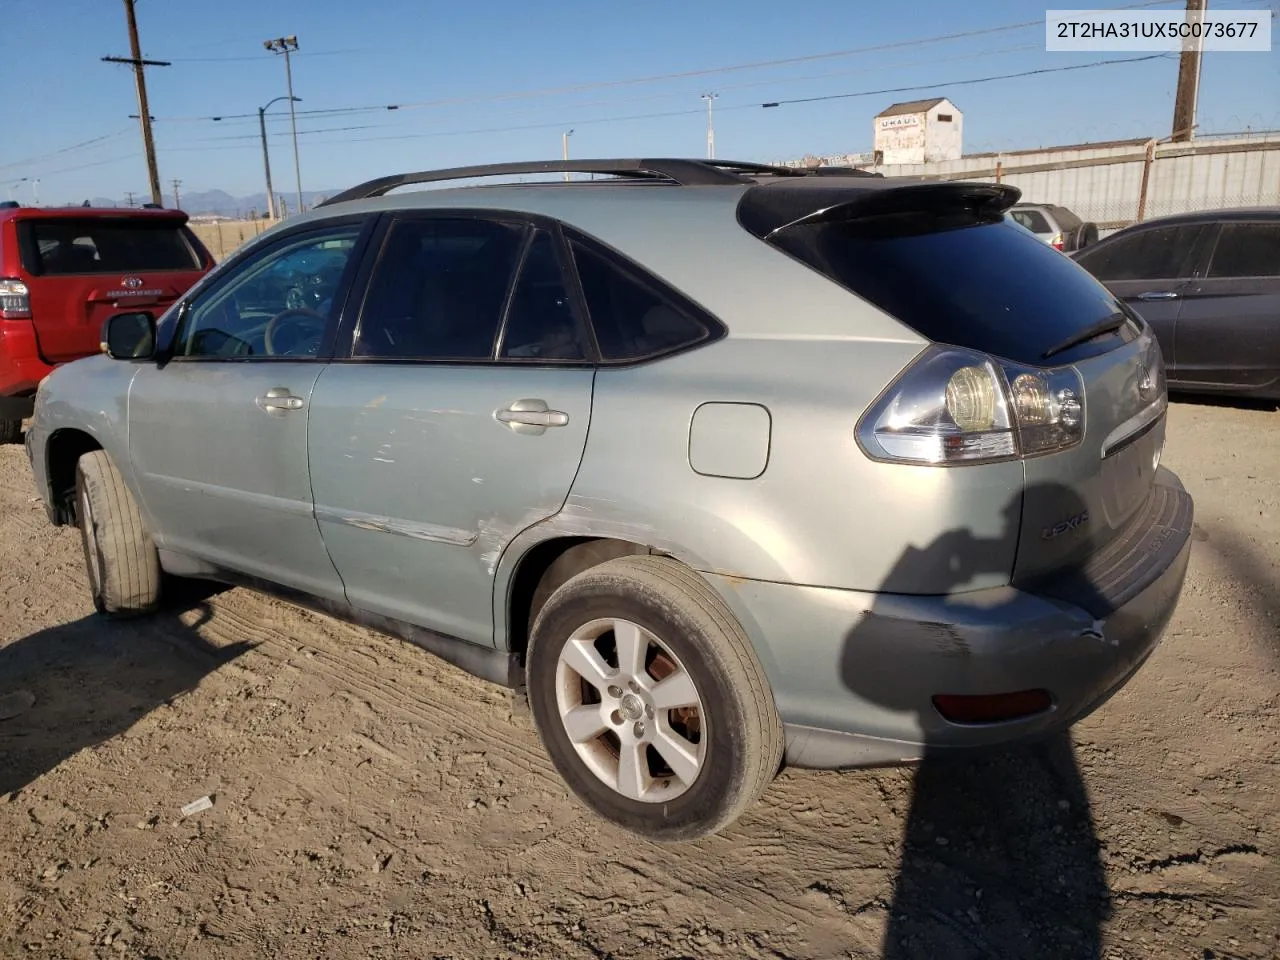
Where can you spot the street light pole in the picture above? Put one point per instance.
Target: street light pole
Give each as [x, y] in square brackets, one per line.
[711, 127]
[564, 140]
[266, 158]
[287, 45]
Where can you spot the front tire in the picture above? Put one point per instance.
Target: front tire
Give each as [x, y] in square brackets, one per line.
[10, 431]
[650, 700]
[120, 558]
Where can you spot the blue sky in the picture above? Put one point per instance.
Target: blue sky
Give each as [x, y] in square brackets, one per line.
[479, 73]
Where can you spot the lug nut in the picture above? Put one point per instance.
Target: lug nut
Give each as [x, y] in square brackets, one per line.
[634, 687]
[616, 718]
[638, 729]
[615, 691]
[649, 710]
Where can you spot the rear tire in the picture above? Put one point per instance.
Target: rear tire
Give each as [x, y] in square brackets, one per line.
[674, 741]
[10, 431]
[120, 558]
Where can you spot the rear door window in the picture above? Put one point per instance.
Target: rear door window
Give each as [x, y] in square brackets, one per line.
[965, 278]
[1247, 250]
[439, 289]
[64, 247]
[1161, 253]
[541, 324]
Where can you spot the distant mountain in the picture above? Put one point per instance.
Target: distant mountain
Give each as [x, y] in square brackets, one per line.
[214, 202]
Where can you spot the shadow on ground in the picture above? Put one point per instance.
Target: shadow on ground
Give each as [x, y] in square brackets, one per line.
[1230, 402]
[1253, 570]
[77, 685]
[999, 856]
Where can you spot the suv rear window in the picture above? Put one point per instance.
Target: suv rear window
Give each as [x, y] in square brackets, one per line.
[962, 277]
[61, 247]
[1033, 220]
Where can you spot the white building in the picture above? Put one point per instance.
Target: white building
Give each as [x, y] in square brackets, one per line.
[919, 131]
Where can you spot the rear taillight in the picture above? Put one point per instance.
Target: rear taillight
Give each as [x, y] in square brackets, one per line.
[15, 299]
[956, 406]
[1057, 242]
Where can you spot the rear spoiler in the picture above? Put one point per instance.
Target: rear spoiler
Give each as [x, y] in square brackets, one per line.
[766, 211]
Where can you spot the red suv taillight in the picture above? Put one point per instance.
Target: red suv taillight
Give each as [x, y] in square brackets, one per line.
[15, 299]
[1057, 242]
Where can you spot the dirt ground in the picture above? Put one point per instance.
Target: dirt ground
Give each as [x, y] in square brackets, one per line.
[369, 800]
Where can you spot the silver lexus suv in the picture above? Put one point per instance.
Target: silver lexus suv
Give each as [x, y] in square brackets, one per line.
[725, 466]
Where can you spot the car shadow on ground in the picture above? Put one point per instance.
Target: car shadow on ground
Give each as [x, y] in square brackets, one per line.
[1228, 402]
[1251, 569]
[999, 856]
[77, 685]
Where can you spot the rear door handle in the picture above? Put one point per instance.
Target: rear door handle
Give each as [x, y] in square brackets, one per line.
[531, 416]
[278, 401]
[1158, 295]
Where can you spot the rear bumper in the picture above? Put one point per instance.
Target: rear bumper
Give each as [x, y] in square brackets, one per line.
[854, 674]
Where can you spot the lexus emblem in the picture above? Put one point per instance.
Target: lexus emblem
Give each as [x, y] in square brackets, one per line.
[131, 283]
[1146, 384]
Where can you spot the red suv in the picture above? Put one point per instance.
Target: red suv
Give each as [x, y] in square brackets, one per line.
[63, 271]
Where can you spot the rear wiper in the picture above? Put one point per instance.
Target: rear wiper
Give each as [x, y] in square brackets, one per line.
[1105, 325]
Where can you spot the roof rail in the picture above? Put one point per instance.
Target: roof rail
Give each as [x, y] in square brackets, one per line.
[680, 171]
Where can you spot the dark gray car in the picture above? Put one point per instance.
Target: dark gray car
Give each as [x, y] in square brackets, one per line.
[1208, 283]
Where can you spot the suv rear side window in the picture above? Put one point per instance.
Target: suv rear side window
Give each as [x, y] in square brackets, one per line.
[1247, 250]
[963, 278]
[1157, 254]
[631, 319]
[62, 247]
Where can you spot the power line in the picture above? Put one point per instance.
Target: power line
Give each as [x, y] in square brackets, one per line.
[682, 75]
[57, 153]
[559, 124]
[309, 53]
[677, 95]
[964, 83]
[255, 136]
[755, 106]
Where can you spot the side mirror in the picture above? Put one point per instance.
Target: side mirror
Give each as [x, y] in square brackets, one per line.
[129, 336]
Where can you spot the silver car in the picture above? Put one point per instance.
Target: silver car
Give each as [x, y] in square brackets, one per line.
[727, 466]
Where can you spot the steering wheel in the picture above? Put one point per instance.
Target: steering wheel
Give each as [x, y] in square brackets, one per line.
[308, 323]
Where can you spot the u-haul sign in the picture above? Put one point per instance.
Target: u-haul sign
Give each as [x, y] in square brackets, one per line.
[903, 120]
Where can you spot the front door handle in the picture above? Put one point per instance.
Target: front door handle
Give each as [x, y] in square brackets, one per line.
[531, 416]
[1158, 295]
[278, 401]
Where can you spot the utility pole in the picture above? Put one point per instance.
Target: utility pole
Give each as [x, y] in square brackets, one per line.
[128, 198]
[177, 200]
[144, 111]
[1184, 105]
[711, 126]
[564, 141]
[286, 46]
